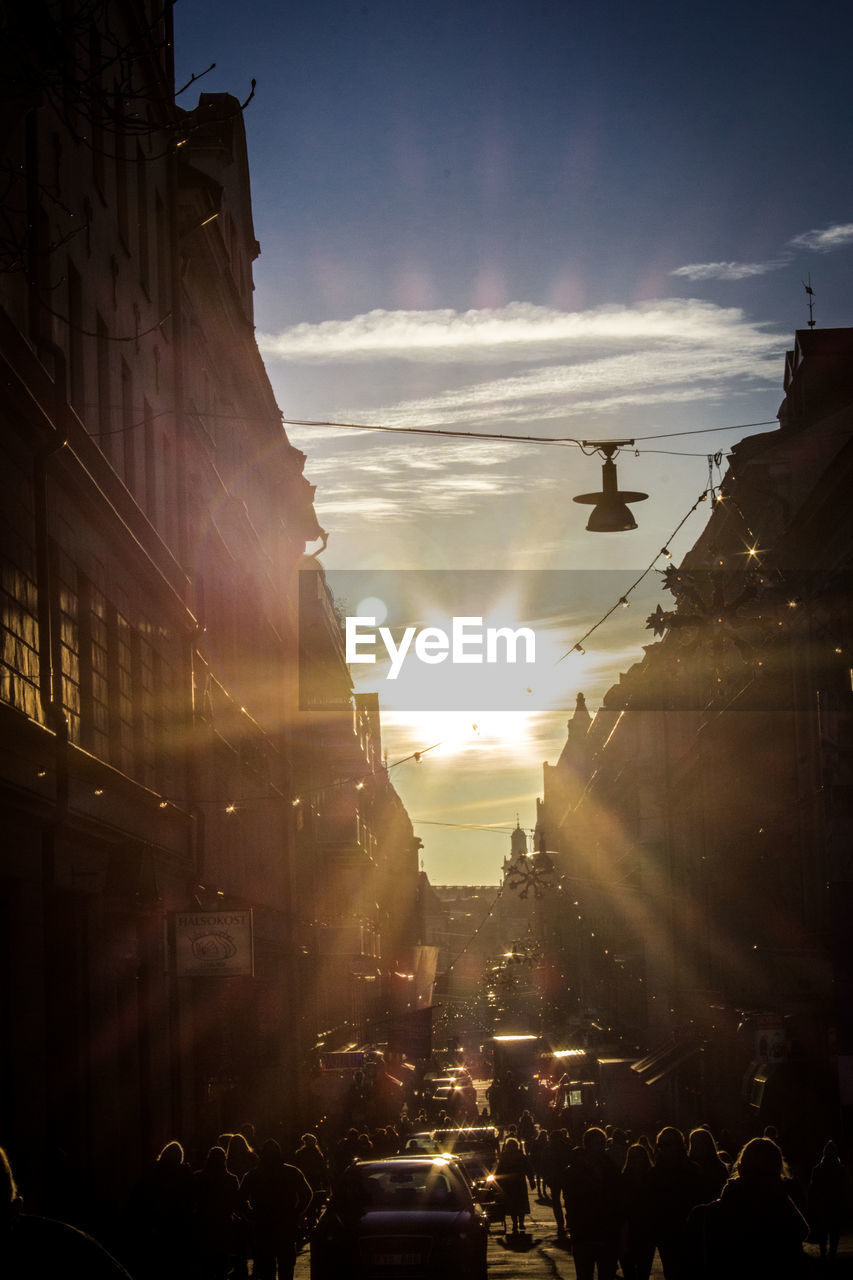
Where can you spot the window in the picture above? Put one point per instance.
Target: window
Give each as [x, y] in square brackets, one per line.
[19, 656]
[67, 592]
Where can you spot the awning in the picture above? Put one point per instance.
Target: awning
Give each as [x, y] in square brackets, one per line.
[667, 1058]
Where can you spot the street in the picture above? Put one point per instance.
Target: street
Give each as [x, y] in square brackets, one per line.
[535, 1254]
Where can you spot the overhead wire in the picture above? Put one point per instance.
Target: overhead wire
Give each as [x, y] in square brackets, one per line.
[586, 446]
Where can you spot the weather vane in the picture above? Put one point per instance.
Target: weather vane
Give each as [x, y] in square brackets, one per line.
[810, 291]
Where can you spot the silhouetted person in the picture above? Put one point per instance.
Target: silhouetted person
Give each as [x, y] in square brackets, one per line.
[617, 1147]
[676, 1188]
[161, 1213]
[829, 1200]
[594, 1208]
[41, 1248]
[526, 1130]
[555, 1157]
[216, 1199]
[702, 1150]
[538, 1158]
[638, 1229]
[276, 1196]
[241, 1158]
[310, 1160]
[754, 1228]
[513, 1173]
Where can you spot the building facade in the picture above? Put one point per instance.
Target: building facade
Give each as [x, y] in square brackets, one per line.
[154, 527]
[704, 825]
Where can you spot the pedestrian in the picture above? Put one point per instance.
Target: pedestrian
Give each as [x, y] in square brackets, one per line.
[676, 1188]
[828, 1201]
[638, 1232]
[216, 1199]
[276, 1197]
[44, 1247]
[537, 1159]
[310, 1160]
[617, 1147]
[241, 1158]
[555, 1157]
[512, 1174]
[160, 1213]
[753, 1228]
[702, 1150]
[526, 1130]
[594, 1212]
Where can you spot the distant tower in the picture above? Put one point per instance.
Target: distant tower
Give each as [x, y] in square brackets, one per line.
[517, 848]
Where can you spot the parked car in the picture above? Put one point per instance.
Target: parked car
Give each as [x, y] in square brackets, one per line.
[402, 1218]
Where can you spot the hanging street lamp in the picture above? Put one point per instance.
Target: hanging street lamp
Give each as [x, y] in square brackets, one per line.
[610, 512]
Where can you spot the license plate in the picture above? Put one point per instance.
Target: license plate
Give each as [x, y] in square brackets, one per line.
[398, 1259]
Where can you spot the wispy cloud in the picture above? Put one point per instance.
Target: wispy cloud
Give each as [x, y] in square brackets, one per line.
[531, 371]
[520, 331]
[728, 270]
[816, 241]
[824, 241]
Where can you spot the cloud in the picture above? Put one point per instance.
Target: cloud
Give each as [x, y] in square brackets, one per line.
[834, 237]
[699, 356]
[519, 331]
[531, 371]
[727, 270]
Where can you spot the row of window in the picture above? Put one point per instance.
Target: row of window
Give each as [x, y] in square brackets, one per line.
[120, 692]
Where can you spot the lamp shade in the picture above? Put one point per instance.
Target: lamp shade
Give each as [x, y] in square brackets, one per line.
[610, 512]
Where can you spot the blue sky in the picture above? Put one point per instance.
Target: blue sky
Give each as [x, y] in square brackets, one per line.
[541, 219]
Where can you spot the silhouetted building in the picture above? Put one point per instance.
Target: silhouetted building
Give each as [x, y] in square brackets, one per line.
[707, 847]
[154, 979]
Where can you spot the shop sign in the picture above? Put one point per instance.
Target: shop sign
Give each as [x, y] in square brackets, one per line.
[213, 944]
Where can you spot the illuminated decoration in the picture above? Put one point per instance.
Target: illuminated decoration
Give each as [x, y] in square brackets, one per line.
[530, 871]
[610, 512]
[710, 604]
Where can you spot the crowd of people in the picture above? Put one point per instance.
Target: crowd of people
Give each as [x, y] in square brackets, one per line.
[616, 1199]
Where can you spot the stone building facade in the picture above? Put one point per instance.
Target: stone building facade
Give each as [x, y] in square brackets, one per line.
[154, 526]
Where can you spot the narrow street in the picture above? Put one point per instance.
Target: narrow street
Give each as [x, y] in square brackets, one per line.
[535, 1256]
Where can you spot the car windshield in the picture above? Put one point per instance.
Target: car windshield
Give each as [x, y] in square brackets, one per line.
[404, 1186]
[421, 1144]
[458, 1140]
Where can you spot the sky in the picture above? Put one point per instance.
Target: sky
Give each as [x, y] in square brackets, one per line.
[526, 218]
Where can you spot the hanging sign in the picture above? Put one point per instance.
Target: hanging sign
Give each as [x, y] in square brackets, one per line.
[213, 944]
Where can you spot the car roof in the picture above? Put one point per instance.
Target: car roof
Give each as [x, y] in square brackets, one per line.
[470, 1133]
[419, 1158]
